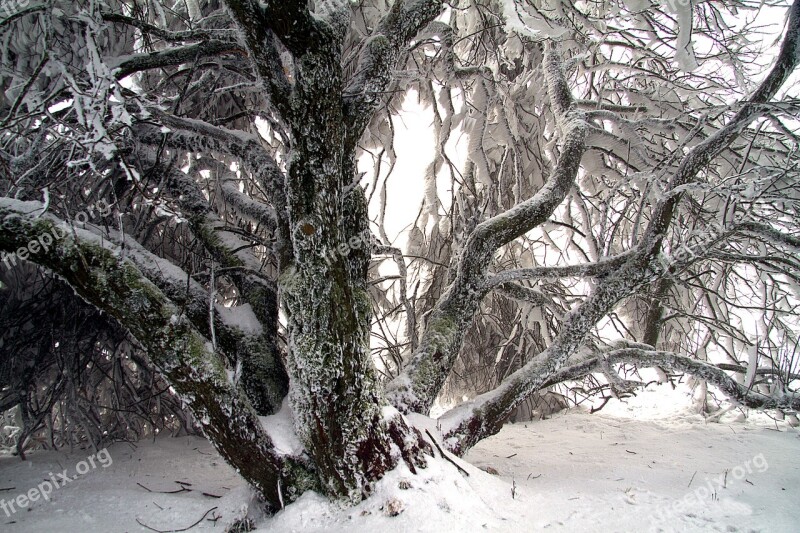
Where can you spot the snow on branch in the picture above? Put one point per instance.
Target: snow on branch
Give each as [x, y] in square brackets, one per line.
[291, 21]
[380, 55]
[244, 205]
[715, 375]
[518, 292]
[600, 268]
[704, 152]
[419, 383]
[124, 66]
[468, 423]
[97, 271]
[535, 22]
[198, 136]
[21, 13]
[172, 36]
[252, 19]
[770, 234]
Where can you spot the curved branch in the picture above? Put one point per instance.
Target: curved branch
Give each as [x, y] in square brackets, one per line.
[417, 385]
[601, 268]
[199, 136]
[114, 285]
[171, 36]
[264, 377]
[21, 13]
[380, 55]
[770, 234]
[261, 41]
[702, 154]
[464, 426]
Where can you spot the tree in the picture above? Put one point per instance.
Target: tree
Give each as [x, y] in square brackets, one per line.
[210, 180]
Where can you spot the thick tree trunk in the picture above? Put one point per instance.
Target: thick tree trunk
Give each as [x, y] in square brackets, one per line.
[340, 413]
[655, 312]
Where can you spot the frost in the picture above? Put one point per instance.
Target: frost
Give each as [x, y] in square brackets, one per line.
[240, 317]
[531, 24]
[684, 54]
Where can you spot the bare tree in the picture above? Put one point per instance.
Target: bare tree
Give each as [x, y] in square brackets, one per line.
[623, 170]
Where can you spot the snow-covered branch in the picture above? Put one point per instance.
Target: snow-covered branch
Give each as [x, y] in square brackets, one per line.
[699, 156]
[98, 273]
[770, 234]
[598, 269]
[199, 136]
[380, 55]
[172, 36]
[243, 204]
[252, 19]
[265, 380]
[419, 383]
[467, 424]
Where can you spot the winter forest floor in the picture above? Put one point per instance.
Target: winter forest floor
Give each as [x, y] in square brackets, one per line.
[633, 467]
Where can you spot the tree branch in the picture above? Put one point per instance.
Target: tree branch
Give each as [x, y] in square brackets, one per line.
[417, 385]
[465, 425]
[264, 377]
[379, 56]
[261, 41]
[172, 36]
[199, 136]
[601, 268]
[96, 272]
[702, 154]
[127, 65]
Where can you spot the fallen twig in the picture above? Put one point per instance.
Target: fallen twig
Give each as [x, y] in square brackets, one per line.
[175, 530]
[441, 452]
[182, 489]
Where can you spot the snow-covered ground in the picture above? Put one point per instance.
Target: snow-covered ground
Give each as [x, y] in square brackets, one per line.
[631, 467]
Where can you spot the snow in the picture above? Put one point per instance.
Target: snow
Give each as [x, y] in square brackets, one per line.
[586, 472]
[280, 428]
[529, 24]
[241, 317]
[110, 499]
[646, 465]
[684, 53]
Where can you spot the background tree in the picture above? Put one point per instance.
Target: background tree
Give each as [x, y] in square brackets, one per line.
[628, 199]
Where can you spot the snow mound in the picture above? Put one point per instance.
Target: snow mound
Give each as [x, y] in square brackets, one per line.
[439, 498]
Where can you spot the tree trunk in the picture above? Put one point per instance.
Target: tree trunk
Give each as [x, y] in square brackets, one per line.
[340, 413]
